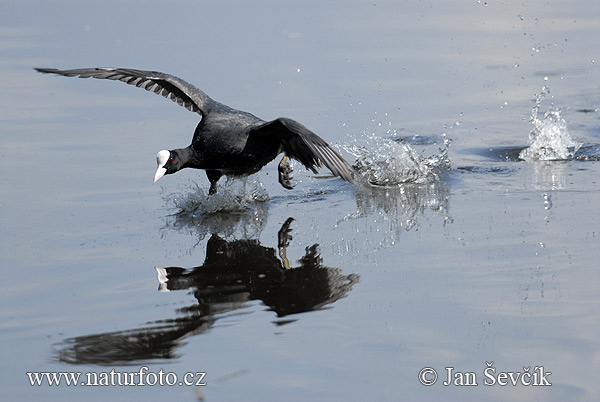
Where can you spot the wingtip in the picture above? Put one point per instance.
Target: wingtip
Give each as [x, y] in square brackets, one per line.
[45, 70]
[348, 176]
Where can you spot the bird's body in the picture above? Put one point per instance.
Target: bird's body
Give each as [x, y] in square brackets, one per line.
[226, 141]
[223, 141]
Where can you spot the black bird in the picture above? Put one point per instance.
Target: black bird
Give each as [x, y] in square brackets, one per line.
[226, 141]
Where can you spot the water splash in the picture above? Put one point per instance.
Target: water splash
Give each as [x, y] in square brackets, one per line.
[391, 162]
[549, 139]
[233, 195]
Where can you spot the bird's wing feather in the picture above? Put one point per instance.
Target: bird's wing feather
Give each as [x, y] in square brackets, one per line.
[169, 86]
[307, 147]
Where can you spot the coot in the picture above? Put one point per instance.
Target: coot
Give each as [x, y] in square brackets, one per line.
[226, 141]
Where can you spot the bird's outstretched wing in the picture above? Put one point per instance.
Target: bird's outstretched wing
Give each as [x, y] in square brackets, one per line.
[307, 147]
[169, 86]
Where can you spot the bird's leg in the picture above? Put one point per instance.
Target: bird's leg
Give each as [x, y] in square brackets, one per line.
[285, 173]
[213, 188]
[213, 177]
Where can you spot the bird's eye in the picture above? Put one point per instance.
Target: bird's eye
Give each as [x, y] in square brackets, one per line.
[171, 159]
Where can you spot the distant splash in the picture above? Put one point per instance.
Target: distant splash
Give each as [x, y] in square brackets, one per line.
[390, 162]
[233, 195]
[549, 139]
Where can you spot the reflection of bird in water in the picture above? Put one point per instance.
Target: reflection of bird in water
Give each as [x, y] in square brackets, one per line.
[233, 273]
[226, 141]
[245, 270]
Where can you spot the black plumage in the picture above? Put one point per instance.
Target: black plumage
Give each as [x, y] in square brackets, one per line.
[226, 141]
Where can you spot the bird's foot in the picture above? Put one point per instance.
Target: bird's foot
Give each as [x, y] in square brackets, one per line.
[283, 241]
[285, 173]
[283, 236]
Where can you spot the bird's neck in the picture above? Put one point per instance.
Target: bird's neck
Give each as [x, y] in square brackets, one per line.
[187, 157]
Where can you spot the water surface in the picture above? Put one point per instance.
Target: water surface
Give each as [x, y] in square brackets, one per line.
[453, 249]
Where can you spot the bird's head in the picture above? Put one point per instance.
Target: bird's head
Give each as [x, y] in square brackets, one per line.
[168, 162]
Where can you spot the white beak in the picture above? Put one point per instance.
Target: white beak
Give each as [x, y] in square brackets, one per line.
[161, 160]
[162, 279]
[160, 172]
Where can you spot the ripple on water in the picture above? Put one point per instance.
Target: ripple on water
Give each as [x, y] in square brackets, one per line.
[588, 152]
[492, 170]
[500, 154]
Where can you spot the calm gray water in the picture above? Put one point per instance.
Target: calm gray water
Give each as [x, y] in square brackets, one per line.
[482, 257]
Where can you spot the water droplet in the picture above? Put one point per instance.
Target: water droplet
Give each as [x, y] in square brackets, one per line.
[547, 201]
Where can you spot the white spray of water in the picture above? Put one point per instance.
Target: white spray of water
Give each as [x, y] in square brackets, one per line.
[389, 162]
[233, 195]
[549, 139]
